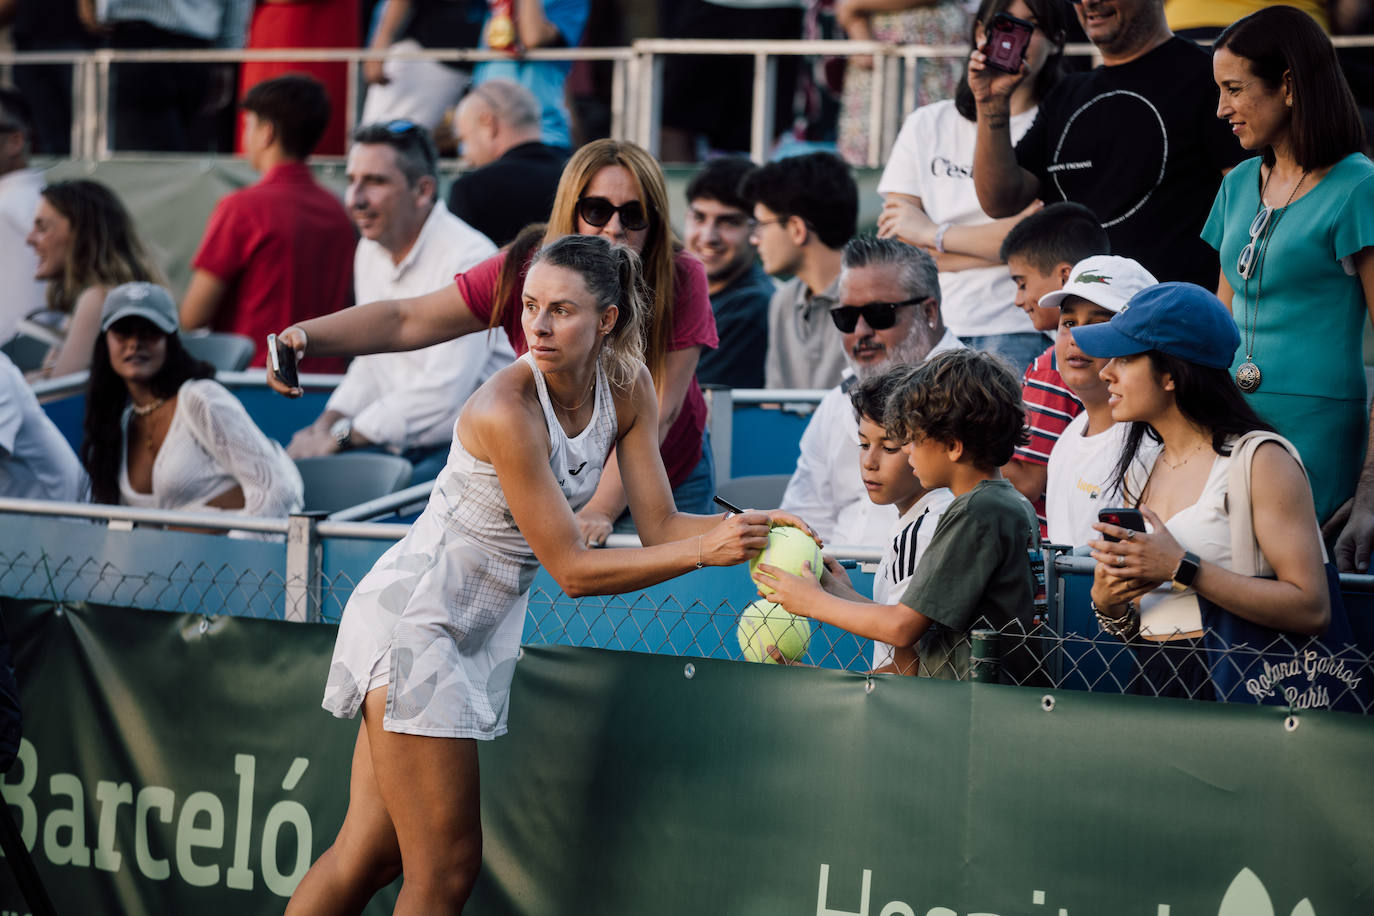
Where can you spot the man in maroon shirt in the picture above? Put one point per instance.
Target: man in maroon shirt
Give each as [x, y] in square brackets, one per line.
[279, 251]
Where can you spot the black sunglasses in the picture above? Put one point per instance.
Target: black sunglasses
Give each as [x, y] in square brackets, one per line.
[877, 315]
[597, 211]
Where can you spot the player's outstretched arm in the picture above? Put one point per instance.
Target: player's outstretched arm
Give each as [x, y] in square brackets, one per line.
[501, 426]
[385, 326]
[645, 482]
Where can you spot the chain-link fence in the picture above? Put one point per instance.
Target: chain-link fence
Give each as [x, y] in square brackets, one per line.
[715, 616]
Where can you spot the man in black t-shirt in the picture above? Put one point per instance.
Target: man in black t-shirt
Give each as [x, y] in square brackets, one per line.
[514, 174]
[1136, 140]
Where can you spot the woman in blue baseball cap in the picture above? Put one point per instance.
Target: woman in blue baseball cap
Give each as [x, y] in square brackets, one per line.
[1170, 353]
[1294, 228]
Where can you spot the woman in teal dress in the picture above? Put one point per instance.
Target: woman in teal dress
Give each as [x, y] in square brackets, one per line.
[1294, 228]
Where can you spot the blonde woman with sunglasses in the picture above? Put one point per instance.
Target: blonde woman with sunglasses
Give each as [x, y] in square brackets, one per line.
[611, 189]
[1294, 228]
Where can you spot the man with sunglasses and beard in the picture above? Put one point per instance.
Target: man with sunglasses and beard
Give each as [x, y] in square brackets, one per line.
[888, 314]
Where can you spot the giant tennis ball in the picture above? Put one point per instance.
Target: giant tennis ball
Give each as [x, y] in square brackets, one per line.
[763, 624]
[788, 549]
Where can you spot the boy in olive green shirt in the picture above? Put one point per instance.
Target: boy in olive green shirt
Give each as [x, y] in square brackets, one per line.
[960, 416]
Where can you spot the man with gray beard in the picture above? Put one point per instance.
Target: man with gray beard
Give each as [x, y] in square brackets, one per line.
[888, 315]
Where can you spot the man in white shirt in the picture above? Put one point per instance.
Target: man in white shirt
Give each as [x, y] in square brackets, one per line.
[405, 403]
[19, 191]
[35, 460]
[888, 315]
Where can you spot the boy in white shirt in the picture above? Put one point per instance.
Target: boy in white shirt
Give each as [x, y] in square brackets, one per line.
[1082, 463]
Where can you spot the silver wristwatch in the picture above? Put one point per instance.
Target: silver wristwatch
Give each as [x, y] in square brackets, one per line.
[342, 431]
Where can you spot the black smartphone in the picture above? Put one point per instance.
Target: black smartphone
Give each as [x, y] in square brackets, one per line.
[1130, 519]
[1008, 38]
[283, 361]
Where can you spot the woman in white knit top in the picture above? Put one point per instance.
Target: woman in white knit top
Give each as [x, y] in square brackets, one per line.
[161, 433]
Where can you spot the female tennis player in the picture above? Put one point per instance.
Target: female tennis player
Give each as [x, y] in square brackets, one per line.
[428, 642]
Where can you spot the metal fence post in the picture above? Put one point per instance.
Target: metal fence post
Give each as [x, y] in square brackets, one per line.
[303, 561]
[649, 110]
[622, 122]
[104, 91]
[720, 409]
[983, 657]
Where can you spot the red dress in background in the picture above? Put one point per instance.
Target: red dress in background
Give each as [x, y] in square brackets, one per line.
[320, 24]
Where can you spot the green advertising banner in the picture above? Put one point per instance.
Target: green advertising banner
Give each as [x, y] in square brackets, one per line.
[174, 764]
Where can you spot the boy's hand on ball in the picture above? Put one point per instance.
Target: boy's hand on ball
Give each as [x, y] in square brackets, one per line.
[793, 592]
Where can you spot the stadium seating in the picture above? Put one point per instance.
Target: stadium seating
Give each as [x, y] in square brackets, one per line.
[226, 352]
[335, 482]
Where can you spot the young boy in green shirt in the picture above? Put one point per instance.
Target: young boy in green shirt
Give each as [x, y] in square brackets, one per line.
[959, 416]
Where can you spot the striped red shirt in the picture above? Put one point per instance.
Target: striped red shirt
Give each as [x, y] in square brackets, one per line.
[1050, 405]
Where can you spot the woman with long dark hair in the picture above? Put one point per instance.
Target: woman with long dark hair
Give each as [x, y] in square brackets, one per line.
[160, 432]
[86, 244]
[930, 201]
[612, 189]
[429, 640]
[1294, 227]
[1167, 376]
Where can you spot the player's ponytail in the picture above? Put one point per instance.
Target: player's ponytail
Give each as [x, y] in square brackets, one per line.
[624, 352]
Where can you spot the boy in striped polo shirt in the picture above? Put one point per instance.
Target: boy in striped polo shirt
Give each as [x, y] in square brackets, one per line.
[1039, 252]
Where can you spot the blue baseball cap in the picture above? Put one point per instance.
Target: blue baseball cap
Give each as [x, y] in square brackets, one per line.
[1181, 319]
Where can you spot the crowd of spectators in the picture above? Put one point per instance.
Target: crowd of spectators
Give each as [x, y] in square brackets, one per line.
[1023, 215]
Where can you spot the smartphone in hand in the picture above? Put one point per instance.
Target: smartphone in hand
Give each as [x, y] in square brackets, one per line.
[282, 359]
[1008, 38]
[1130, 519]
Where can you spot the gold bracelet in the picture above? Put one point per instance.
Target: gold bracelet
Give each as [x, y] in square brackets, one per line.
[699, 560]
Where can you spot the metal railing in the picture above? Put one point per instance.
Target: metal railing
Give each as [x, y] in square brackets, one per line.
[636, 83]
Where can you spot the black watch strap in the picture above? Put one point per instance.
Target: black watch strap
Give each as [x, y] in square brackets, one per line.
[1187, 569]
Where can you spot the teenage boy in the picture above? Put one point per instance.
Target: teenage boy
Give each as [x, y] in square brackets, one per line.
[805, 209]
[959, 416]
[1040, 251]
[718, 228]
[275, 253]
[1083, 461]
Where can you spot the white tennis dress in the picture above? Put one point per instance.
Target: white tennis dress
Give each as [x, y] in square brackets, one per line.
[439, 617]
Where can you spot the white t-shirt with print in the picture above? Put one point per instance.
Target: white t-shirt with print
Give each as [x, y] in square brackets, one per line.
[1079, 480]
[911, 535]
[933, 160]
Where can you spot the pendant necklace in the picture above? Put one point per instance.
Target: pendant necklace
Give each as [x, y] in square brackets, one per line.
[1174, 467]
[573, 409]
[142, 412]
[1248, 374]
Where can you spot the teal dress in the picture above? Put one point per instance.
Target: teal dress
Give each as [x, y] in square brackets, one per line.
[1308, 325]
